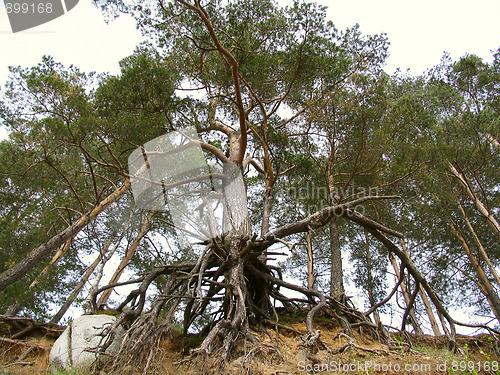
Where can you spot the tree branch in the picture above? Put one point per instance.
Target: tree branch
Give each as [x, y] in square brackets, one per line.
[322, 217]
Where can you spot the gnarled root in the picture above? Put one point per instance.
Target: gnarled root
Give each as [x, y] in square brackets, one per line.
[140, 350]
[236, 292]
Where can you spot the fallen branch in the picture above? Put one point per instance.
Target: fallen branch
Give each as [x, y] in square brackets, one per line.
[19, 364]
[22, 343]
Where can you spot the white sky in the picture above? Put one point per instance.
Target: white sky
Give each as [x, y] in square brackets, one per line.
[419, 32]
[80, 37]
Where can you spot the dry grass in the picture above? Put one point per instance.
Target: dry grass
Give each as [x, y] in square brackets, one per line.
[284, 355]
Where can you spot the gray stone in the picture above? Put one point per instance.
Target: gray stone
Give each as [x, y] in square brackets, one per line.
[71, 349]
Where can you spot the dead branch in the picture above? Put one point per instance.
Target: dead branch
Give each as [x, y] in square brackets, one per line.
[21, 343]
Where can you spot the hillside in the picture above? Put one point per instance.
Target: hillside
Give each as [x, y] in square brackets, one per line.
[341, 354]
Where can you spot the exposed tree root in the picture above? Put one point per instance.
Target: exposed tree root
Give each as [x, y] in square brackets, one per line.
[237, 292]
[140, 350]
[351, 344]
[265, 353]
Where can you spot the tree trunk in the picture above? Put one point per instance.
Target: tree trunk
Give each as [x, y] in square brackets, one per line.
[14, 309]
[492, 222]
[430, 313]
[55, 259]
[486, 287]
[443, 324]
[310, 262]
[369, 284]
[423, 295]
[103, 300]
[236, 219]
[266, 211]
[69, 301]
[336, 273]
[414, 272]
[243, 291]
[266, 216]
[479, 244]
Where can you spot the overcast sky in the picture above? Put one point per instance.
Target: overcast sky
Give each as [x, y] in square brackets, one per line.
[419, 33]
[80, 37]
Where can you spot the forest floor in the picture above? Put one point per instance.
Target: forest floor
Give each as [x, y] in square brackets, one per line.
[413, 354]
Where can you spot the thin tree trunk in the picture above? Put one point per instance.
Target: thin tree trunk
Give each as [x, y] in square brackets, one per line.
[266, 216]
[14, 309]
[406, 295]
[266, 211]
[479, 244]
[416, 275]
[55, 259]
[430, 313]
[423, 295]
[103, 300]
[492, 222]
[69, 301]
[310, 262]
[87, 304]
[336, 272]
[487, 288]
[443, 324]
[369, 284]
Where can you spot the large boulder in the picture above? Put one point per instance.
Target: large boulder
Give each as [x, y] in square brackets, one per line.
[71, 349]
